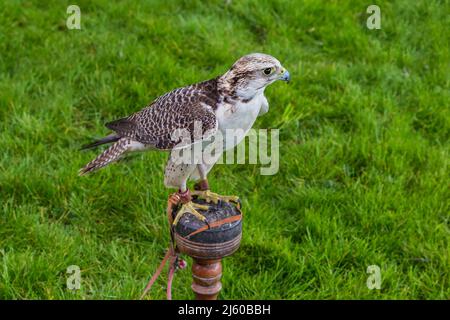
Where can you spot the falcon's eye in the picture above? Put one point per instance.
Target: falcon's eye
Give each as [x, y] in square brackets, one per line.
[268, 71]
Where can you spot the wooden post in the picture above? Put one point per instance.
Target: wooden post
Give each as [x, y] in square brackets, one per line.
[206, 276]
[207, 248]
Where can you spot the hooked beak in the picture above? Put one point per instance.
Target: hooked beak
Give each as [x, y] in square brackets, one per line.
[285, 76]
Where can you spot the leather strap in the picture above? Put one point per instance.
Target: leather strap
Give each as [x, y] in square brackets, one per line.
[215, 224]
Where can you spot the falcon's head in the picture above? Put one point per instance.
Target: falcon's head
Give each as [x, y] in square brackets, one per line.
[252, 74]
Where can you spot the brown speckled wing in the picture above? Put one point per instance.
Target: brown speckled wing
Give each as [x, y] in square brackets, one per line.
[178, 109]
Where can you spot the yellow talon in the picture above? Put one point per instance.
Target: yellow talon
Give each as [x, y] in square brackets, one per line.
[190, 207]
[209, 196]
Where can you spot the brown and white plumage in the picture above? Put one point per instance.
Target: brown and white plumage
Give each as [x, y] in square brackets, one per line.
[152, 127]
[232, 101]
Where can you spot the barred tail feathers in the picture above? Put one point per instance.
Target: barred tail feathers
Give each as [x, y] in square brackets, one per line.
[111, 154]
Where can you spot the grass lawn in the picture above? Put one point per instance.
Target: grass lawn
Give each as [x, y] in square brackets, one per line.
[364, 147]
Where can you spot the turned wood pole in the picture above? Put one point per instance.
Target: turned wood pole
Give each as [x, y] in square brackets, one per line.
[206, 276]
[209, 247]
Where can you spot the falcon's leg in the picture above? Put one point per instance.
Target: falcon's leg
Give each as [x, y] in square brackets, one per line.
[189, 207]
[176, 175]
[203, 192]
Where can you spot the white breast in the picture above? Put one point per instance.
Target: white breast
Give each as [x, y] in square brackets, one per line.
[236, 120]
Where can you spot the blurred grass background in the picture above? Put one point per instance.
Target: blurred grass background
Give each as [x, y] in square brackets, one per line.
[364, 134]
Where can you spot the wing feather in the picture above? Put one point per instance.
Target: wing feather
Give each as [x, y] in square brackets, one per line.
[187, 110]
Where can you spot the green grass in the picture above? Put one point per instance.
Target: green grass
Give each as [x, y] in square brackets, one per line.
[364, 134]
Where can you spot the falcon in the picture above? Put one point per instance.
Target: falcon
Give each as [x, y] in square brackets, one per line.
[230, 102]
